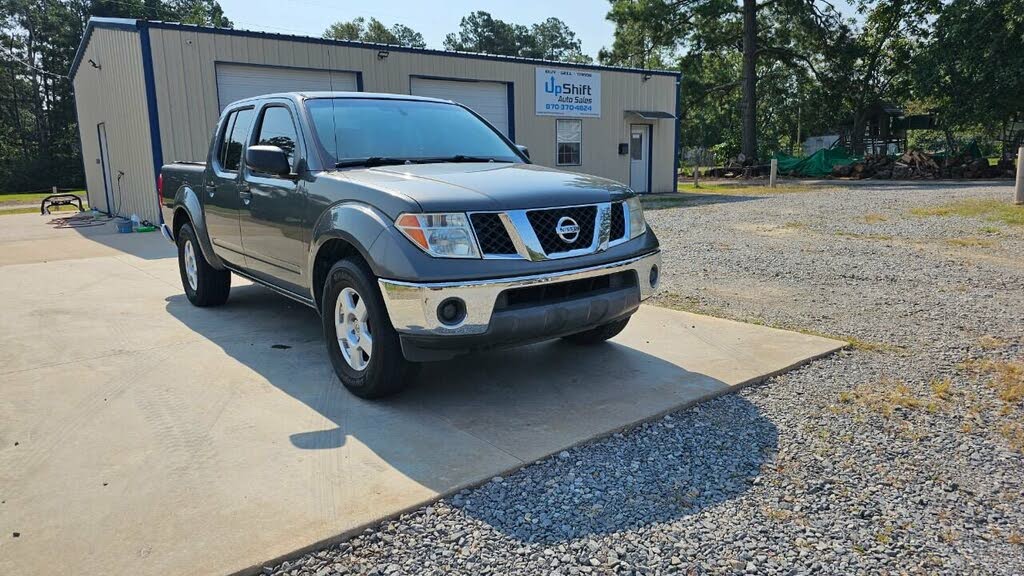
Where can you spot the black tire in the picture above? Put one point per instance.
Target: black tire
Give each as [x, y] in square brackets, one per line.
[212, 286]
[385, 370]
[599, 334]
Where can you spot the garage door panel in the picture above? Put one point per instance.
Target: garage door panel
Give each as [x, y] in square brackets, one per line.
[238, 81]
[488, 99]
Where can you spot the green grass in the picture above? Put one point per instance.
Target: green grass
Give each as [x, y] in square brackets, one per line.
[881, 237]
[743, 190]
[992, 210]
[35, 209]
[971, 242]
[663, 201]
[885, 396]
[690, 194]
[28, 202]
[32, 197]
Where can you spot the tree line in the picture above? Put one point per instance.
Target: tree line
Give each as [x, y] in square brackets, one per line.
[758, 76]
[39, 145]
[551, 39]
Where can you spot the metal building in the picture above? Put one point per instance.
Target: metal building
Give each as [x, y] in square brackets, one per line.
[151, 92]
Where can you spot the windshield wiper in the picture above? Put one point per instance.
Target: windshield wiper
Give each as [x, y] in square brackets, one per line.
[463, 158]
[371, 161]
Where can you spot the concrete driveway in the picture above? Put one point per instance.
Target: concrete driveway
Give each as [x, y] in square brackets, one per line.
[140, 435]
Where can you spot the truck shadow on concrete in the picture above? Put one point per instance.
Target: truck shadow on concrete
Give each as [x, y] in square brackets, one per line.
[464, 421]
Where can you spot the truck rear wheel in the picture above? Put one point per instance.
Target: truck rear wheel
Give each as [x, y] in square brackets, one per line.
[204, 285]
[599, 334]
[361, 342]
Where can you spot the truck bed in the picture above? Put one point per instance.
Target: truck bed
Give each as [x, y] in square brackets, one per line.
[180, 174]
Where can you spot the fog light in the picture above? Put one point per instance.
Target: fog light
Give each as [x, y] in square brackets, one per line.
[451, 311]
[654, 276]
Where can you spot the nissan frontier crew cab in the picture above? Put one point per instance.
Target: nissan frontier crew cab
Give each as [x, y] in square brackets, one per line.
[415, 229]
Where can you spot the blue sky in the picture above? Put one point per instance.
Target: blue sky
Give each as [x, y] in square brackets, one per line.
[433, 19]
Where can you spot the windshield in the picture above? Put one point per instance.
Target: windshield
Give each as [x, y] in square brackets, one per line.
[354, 129]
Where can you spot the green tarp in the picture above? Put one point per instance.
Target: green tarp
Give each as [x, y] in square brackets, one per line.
[816, 165]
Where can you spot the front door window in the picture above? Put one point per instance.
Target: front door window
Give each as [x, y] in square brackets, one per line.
[639, 157]
[277, 129]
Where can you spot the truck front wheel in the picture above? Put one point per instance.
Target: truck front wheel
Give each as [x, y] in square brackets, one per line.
[361, 342]
[204, 285]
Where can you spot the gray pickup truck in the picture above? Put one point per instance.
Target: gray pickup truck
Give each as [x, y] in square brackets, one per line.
[415, 229]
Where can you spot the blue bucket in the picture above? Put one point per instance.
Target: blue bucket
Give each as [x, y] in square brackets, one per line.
[124, 226]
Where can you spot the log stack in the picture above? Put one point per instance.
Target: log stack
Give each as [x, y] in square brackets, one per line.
[872, 166]
[918, 165]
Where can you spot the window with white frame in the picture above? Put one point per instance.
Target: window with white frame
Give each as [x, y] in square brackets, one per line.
[568, 142]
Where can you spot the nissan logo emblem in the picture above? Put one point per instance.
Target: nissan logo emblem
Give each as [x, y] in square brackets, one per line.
[567, 229]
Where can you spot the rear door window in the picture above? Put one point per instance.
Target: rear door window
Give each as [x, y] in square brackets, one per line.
[236, 139]
[222, 139]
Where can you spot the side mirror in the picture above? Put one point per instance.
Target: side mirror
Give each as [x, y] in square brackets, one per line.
[524, 150]
[267, 160]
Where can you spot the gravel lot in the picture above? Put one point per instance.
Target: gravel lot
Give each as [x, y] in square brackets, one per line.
[900, 455]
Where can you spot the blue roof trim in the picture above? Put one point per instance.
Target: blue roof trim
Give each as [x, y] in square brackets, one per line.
[510, 98]
[97, 22]
[154, 120]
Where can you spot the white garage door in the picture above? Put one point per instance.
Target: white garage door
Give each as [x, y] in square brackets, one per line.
[488, 99]
[237, 81]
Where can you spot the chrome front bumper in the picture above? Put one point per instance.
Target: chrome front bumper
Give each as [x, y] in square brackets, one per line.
[413, 306]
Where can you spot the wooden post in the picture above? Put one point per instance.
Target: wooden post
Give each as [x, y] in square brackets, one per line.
[696, 175]
[772, 175]
[1019, 199]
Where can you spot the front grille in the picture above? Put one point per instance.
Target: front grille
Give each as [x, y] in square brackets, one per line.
[618, 227]
[492, 234]
[544, 222]
[563, 291]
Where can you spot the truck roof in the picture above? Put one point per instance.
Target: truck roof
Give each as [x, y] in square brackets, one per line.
[323, 94]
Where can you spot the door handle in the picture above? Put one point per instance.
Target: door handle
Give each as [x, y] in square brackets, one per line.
[210, 188]
[245, 195]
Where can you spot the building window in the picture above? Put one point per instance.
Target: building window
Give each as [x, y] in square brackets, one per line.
[568, 142]
[636, 146]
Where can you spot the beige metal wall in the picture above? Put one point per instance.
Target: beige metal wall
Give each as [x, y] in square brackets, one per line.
[186, 92]
[115, 94]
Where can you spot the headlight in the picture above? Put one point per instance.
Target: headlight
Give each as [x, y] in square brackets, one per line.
[441, 235]
[637, 224]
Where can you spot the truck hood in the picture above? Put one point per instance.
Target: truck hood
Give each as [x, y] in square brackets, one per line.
[467, 187]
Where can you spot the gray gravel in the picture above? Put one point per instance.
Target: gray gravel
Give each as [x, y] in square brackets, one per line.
[891, 457]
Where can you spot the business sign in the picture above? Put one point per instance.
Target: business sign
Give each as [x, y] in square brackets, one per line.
[575, 93]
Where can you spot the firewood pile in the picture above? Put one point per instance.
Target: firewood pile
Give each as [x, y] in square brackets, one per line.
[737, 167]
[918, 165]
